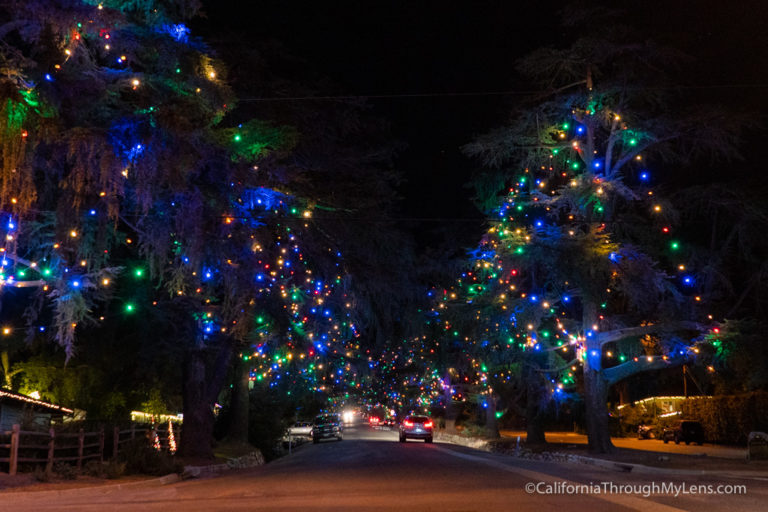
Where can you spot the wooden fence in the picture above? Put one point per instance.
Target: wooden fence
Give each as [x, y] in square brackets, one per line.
[38, 448]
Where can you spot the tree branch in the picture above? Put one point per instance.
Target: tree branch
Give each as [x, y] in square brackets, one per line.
[609, 148]
[627, 332]
[632, 154]
[557, 370]
[620, 372]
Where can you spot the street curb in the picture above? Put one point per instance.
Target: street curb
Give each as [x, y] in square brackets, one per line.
[624, 467]
[477, 443]
[640, 468]
[197, 471]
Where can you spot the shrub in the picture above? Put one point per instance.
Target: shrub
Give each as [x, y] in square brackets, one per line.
[140, 458]
[114, 469]
[95, 468]
[41, 474]
[65, 471]
[730, 418]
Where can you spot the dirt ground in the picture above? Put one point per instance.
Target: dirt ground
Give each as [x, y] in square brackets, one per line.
[26, 482]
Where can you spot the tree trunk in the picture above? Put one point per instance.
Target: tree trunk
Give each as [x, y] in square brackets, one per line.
[197, 429]
[534, 419]
[595, 388]
[623, 393]
[451, 411]
[238, 426]
[203, 380]
[595, 397]
[491, 425]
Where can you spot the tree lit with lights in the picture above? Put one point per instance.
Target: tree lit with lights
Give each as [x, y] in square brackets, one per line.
[581, 251]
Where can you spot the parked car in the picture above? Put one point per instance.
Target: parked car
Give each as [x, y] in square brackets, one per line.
[416, 427]
[327, 426]
[686, 431]
[301, 428]
[645, 432]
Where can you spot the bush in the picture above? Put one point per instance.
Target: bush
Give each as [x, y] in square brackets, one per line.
[65, 471]
[730, 418]
[95, 468]
[41, 474]
[114, 469]
[139, 457]
[726, 419]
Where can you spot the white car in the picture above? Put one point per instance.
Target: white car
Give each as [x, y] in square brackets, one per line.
[301, 428]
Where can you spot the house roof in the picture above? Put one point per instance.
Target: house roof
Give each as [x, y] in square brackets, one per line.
[9, 396]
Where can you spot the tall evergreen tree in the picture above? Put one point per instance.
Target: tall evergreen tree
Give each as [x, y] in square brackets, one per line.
[585, 253]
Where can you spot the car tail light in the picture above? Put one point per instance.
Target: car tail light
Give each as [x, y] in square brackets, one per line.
[408, 424]
[428, 424]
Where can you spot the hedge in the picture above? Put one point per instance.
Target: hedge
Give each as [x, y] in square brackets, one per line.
[729, 418]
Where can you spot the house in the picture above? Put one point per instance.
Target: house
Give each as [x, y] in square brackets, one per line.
[662, 406]
[21, 409]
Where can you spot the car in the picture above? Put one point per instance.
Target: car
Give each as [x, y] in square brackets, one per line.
[327, 426]
[686, 431]
[301, 428]
[416, 427]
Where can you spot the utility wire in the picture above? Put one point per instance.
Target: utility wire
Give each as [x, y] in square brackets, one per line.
[475, 93]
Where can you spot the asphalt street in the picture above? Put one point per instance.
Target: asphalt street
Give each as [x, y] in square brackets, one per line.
[370, 471]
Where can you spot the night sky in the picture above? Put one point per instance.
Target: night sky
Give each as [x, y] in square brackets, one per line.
[436, 49]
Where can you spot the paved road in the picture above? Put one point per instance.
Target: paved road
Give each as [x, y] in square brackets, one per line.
[652, 445]
[371, 471]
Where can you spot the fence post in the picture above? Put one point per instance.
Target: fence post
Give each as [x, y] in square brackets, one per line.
[51, 448]
[101, 444]
[80, 443]
[14, 456]
[116, 442]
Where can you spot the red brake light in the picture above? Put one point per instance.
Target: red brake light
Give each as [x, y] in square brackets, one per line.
[428, 424]
[408, 424]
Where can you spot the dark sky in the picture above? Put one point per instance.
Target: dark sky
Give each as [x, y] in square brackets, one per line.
[373, 47]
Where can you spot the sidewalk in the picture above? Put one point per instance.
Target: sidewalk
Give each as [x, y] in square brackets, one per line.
[624, 460]
[632, 443]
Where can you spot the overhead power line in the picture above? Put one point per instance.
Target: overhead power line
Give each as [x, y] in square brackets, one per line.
[475, 93]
